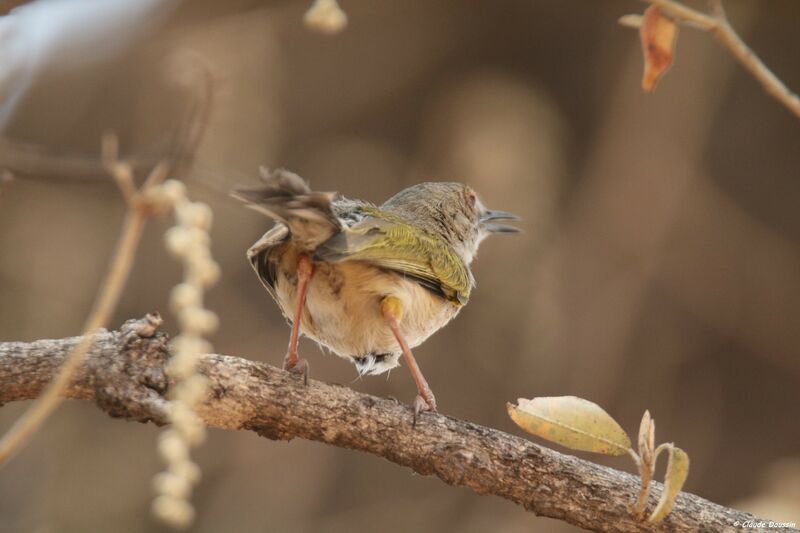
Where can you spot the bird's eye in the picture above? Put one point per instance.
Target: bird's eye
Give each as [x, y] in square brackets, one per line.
[471, 199]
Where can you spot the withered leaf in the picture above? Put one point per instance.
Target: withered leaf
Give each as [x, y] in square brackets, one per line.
[658, 34]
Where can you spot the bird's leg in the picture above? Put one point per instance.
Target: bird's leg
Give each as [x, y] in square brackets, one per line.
[392, 310]
[292, 362]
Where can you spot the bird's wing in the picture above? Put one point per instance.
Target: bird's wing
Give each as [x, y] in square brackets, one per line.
[396, 245]
[303, 219]
[264, 263]
[286, 198]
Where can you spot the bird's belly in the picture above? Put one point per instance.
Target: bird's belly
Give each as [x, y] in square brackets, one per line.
[342, 310]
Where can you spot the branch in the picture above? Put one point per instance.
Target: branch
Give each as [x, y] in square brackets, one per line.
[718, 25]
[124, 375]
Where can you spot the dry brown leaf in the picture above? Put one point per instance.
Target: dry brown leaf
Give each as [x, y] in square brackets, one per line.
[658, 34]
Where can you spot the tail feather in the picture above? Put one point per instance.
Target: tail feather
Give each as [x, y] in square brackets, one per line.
[286, 198]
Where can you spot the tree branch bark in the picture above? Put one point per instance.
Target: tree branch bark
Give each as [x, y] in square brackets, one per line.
[124, 375]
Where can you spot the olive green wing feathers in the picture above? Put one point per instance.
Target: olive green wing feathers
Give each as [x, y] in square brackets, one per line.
[394, 244]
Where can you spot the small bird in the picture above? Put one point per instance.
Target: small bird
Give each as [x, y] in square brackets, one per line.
[369, 282]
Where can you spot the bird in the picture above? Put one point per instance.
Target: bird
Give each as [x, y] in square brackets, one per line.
[368, 282]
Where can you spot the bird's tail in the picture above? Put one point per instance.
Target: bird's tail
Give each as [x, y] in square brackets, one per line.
[286, 198]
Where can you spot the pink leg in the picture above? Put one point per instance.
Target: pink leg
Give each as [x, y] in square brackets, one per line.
[392, 307]
[292, 362]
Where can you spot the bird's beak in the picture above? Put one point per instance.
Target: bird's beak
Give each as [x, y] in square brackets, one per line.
[493, 227]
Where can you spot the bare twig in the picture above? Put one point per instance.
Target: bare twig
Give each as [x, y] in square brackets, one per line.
[188, 71]
[32, 161]
[717, 24]
[684, 13]
[124, 375]
[101, 313]
[191, 72]
[140, 207]
[717, 9]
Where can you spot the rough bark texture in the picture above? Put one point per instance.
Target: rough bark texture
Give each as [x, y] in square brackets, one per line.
[124, 375]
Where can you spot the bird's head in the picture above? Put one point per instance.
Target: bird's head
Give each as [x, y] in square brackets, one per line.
[453, 211]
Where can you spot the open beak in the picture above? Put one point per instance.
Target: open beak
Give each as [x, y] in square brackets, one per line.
[493, 227]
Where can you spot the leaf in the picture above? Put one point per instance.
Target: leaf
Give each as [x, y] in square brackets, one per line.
[658, 34]
[572, 422]
[646, 461]
[647, 430]
[677, 472]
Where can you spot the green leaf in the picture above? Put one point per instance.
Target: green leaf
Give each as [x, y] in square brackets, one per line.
[677, 472]
[572, 422]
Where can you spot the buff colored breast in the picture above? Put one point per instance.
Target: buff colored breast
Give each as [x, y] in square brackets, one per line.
[342, 310]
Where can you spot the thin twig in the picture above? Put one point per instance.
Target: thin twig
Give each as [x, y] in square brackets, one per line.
[39, 163]
[684, 13]
[139, 209]
[718, 25]
[717, 9]
[191, 72]
[124, 375]
[108, 297]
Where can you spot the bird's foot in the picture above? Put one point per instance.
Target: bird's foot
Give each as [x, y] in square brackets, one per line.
[295, 365]
[423, 402]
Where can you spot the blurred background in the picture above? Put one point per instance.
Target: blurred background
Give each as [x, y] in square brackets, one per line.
[659, 268]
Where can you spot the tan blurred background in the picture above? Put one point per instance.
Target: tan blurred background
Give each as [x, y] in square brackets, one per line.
[659, 268]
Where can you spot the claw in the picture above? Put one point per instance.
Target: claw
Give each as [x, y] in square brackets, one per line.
[299, 366]
[423, 404]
